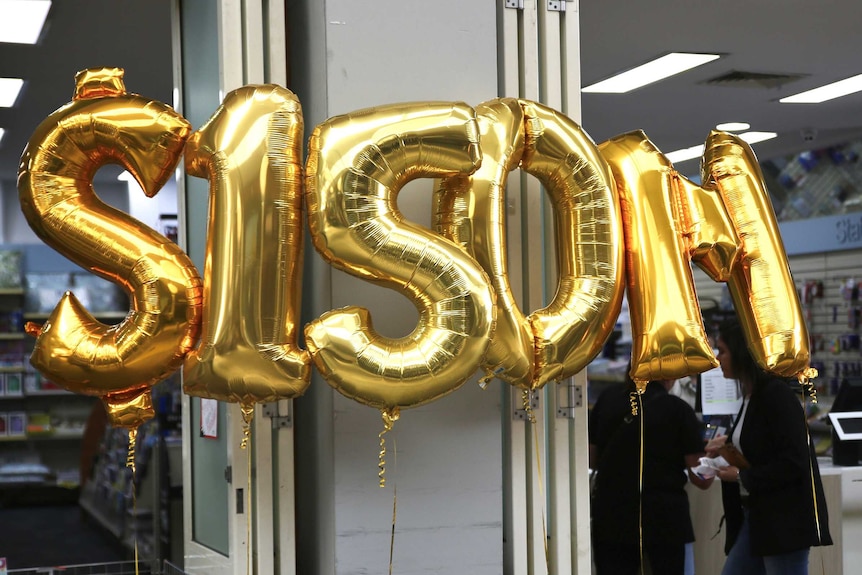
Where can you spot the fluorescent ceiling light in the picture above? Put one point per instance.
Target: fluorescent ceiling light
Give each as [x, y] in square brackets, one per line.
[22, 20]
[658, 69]
[827, 92]
[679, 156]
[754, 137]
[733, 126]
[2, 131]
[9, 89]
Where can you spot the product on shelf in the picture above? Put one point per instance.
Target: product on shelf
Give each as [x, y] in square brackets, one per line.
[10, 269]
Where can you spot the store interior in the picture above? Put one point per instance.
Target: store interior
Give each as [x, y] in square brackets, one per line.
[61, 464]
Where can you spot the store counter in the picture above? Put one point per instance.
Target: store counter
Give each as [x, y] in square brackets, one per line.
[843, 489]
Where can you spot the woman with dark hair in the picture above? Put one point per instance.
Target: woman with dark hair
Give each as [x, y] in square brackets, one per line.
[640, 508]
[773, 498]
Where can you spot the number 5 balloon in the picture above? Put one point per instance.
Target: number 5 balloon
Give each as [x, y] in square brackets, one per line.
[357, 164]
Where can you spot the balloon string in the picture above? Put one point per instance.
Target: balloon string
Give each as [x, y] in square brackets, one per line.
[394, 506]
[247, 415]
[390, 416]
[527, 404]
[813, 394]
[531, 418]
[633, 401]
[805, 378]
[130, 455]
[130, 463]
[639, 409]
[247, 410]
[248, 514]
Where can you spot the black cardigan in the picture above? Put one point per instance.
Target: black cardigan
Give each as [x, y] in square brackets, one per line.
[782, 479]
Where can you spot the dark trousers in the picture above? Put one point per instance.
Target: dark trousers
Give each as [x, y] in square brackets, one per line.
[615, 558]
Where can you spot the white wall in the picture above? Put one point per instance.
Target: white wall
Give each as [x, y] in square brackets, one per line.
[449, 453]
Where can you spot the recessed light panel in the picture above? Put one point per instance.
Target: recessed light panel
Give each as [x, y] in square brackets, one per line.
[658, 69]
[754, 137]
[22, 20]
[9, 89]
[685, 154]
[827, 92]
[733, 126]
[678, 156]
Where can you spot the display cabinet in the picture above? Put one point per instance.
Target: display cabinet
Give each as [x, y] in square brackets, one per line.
[42, 426]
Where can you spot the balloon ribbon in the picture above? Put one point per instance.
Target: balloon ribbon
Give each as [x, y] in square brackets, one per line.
[130, 463]
[394, 506]
[531, 418]
[247, 417]
[636, 400]
[390, 416]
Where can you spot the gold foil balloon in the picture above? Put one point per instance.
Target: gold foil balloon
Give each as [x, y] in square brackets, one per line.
[761, 286]
[559, 340]
[251, 153]
[667, 221]
[469, 210]
[571, 330]
[104, 124]
[356, 166]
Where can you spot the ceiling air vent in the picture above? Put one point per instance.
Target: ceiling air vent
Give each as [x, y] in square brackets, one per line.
[738, 79]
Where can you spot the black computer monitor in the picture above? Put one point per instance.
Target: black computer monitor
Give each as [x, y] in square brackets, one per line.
[848, 399]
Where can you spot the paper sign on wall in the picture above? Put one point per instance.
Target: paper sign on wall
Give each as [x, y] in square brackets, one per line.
[209, 418]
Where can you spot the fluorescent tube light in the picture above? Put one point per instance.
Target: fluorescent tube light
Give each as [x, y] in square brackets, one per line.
[733, 126]
[9, 89]
[2, 131]
[679, 156]
[754, 137]
[658, 69]
[827, 92]
[22, 20]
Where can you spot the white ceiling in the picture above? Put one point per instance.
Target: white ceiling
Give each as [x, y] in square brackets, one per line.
[819, 40]
[130, 34]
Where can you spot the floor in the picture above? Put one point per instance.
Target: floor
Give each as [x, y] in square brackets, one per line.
[54, 535]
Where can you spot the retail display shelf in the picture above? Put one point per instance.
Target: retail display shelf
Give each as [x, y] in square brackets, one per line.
[55, 435]
[42, 392]
[113, 314]
[12, 368]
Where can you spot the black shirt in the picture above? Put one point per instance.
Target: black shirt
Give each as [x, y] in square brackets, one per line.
[671, 431]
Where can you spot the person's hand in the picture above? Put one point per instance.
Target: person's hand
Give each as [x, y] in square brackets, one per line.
[729, 473]
[714, 444]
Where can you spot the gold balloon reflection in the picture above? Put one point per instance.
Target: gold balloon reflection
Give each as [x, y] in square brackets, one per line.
[251, 153]
[357, 165]
[761, 284]
[668, 337]
[104, 124]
